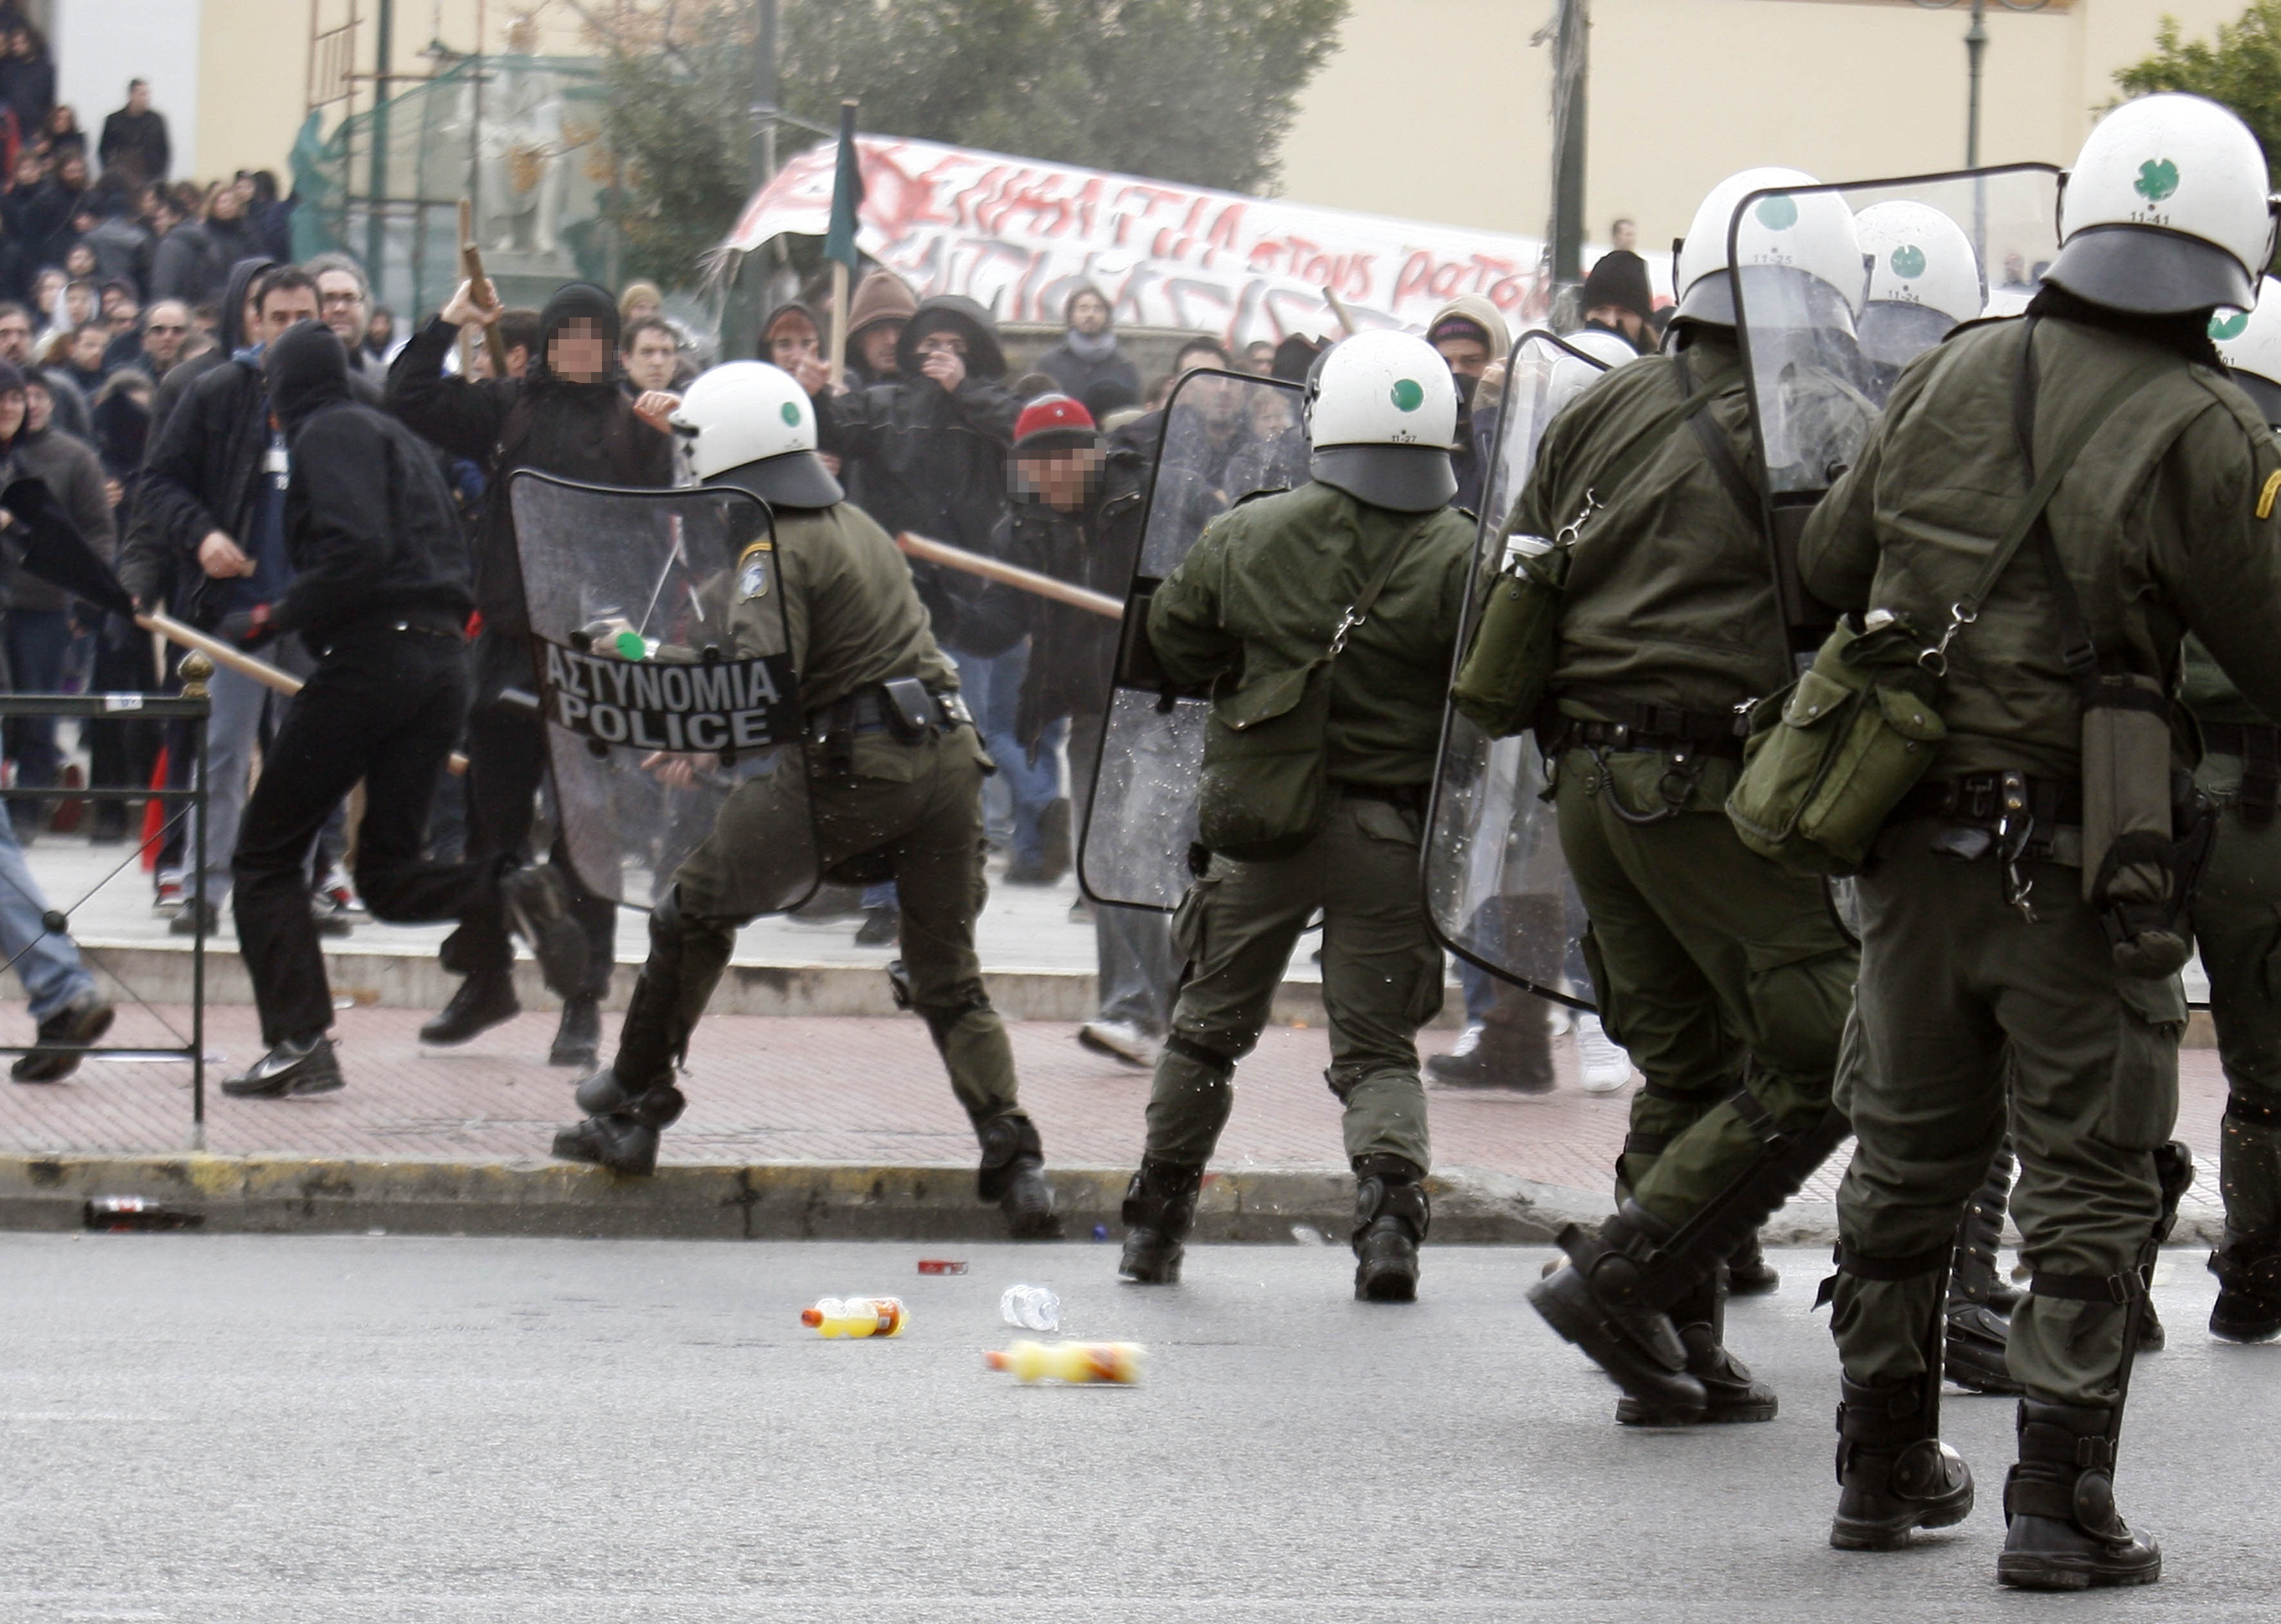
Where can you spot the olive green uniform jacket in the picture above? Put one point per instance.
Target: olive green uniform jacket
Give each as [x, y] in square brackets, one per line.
[1262, 592]
[2165, 521]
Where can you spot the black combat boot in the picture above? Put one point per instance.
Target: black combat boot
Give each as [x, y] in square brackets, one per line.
[578, 1036]
[1894, 1473]
[1160, 1205]
[484, 1000]
[2248, 1270]
[1749, 1274]
[1391, 1218]
[1730, 1392]
[1013, 1175]
[621, 1134]
[1978, 1327]
[2064, 1533]
[1595, 1302]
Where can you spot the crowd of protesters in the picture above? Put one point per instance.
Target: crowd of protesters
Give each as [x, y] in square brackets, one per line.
[134, 313]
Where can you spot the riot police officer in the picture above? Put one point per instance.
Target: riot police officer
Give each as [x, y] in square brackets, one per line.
[895, 780]
[1726, 977]
[1998, 941]
[1323, 619]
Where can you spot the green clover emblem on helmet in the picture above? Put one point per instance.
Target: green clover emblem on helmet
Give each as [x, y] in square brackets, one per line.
[1908, 262]
[1778, 213]
[791, 410]
[1409, 394]
[2222, 327]
[2158, 178]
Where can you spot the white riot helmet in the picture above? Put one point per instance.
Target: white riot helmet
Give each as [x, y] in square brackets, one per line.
[1382, 415]
[1570, 377]
[1813, 235]
[2166, 211]
[2249, 342]
[751, 426]
[1923, 279]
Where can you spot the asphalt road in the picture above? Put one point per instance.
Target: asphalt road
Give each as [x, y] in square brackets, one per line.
[250, 1430]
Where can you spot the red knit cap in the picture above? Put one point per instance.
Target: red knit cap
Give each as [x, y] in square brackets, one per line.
[1054, 422]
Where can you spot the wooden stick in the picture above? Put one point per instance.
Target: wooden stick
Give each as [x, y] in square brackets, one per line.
[1339, 309]
[834, 359]
[238, 660]
[479, 286]
[1012, 575]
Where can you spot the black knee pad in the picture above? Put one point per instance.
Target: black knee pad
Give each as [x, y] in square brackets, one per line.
[1008, 1143]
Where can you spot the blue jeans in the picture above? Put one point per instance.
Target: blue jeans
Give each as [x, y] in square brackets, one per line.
[1481, 986]
[46, 962]
[38, 639]
[992, 687]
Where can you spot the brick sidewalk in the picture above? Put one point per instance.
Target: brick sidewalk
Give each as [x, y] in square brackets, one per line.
[825, 1089]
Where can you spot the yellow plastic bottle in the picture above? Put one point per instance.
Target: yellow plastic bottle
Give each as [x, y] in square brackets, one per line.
[1072, 1362]
[857, 1317]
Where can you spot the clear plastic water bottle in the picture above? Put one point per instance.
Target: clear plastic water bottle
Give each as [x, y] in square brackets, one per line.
[1031, 1308]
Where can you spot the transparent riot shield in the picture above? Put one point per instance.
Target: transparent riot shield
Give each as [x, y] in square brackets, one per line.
[664, 658]
[1496, 890]
[1837, 288]
[1224, 435]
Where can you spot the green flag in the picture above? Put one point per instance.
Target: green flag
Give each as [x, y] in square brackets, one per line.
[847, 193]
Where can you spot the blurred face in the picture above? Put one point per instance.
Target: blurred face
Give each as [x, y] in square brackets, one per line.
[1216, 398]
[650, 363]
[228, 203]
[87, 349]
[283, 307]
[1063, 479]
[380, 329]
[578, 353]
[47, 288]
[877, 345]
[138, 97]
[79, 303]
[15, 338]
[941, 342]
[39, 407]
[1259, 357]
[340, 305]
[73, 172]
[29, 167]
[1190, 359]
[1089, 313]
[79, 261]
[1467, 357]
[163, 335]
[792, 341]
[113, 298]
[1624, 235]
[639, 305]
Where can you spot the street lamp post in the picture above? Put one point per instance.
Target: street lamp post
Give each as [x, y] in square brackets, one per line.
[1976, 50]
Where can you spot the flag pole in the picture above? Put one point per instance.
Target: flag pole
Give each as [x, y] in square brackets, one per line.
[843, 254]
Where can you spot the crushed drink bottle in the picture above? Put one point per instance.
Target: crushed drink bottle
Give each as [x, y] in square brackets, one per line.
[855, 1317]
[127, 1214]
[1072, 1362]
[942, 1266]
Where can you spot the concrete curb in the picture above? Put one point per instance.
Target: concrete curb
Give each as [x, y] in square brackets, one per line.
[161, 973]
[765, 1202]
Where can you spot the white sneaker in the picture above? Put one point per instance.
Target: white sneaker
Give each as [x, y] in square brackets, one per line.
[1121, 1040]
[1468, 1040]
[1606, 1067]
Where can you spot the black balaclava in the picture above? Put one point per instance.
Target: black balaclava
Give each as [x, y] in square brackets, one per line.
[304, 371]
[578, 298]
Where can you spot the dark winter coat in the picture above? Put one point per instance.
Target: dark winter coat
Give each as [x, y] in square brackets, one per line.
[369, 523]
[1073, 374]
[75, 474]
[192, 262]
[582, 432]
[917, 457]
[136, 143]
[1072, 651]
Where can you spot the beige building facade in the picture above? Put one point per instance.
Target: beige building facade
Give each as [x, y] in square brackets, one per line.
[1441, 109]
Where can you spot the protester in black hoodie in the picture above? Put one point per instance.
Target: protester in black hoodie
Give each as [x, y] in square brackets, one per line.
[566, 417]
[379, 594]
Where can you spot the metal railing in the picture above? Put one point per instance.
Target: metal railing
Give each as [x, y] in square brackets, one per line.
[190, 709]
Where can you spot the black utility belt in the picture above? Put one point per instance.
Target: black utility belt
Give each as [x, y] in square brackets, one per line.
[1660, 728]
[424, 625]
[1994, 798]
[902, 705]
[2259, 745]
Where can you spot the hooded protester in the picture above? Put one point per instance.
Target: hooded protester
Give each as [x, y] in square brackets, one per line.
[566, 415]
[1470, 334]
[1618, 298]
[237, 319]
[39, 620]
[379, 593]
[881, 306]
[790, 336]
[926, 451]
[1087, 353]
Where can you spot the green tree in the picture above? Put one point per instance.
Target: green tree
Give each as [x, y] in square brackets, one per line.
[2240, 69]
[1201, 91]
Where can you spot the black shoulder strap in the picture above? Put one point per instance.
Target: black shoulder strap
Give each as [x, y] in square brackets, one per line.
[1717, 451]
[1368, 600]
